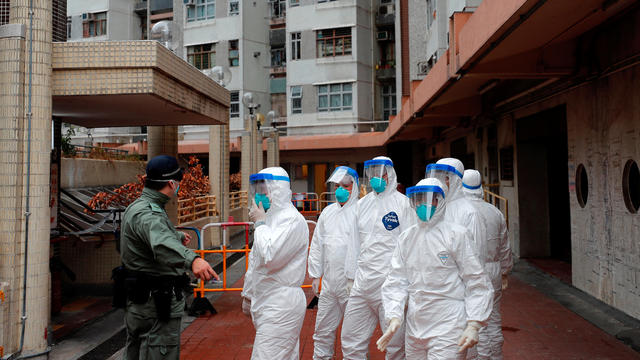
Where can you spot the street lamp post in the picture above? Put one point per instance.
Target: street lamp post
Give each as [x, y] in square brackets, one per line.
[273, 140]
[250, 151]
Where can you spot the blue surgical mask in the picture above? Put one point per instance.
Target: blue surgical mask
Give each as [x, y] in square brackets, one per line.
[342, 195]
[264, 199]
[378, 184]
[425, 212]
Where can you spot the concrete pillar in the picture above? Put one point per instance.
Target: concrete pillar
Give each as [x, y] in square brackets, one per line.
[163, 140]
[273, 150]
[248, 161]
[14, 77]
[259, 151]
[219, 173]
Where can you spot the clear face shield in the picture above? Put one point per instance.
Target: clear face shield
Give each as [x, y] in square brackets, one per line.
[260, 186]
[376, 174]
[441, 172]
[344, 180]
[425, 200]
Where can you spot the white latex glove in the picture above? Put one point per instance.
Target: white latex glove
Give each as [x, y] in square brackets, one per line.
[257, 213]
[246, 306]
[392, 328]
[469, 336]
[505, 282]
[315, 286]
[349, 286]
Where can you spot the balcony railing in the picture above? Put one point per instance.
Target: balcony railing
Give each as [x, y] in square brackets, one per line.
[196, 208]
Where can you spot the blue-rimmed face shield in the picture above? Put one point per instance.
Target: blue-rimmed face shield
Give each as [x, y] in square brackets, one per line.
[425, 200]
[344, 180]
[260, 186]
[442, 172]
[376, 174]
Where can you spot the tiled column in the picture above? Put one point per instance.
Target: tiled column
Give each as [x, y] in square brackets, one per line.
[14, 57]
[273, 151]
[219, 168]
[163, 140]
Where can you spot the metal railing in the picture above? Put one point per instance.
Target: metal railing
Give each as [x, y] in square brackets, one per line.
[87, 150]
[238, 199]
[199, 292]
[196, 208]
[498, 201]
[307, 203]
[326, 199]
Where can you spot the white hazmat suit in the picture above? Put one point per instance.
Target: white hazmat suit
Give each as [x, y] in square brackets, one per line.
[277, 266]
[437, 276]
[383, 214]
[495, 255]
[459, 209]
[331, 257]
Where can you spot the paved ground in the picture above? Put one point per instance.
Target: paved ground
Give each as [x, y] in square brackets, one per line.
[535, 327]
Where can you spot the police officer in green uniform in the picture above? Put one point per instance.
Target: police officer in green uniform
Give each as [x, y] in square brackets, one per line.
[155, 259]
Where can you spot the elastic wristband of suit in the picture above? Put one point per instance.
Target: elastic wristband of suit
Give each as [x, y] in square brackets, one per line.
[258, 224]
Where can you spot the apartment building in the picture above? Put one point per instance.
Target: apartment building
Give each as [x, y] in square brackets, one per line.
[230, 33]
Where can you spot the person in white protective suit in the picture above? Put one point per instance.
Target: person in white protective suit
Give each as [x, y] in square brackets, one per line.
[332, 257]
[459, 209]
[383, 214]
[277, 266]
[495, 255]
[437, 276]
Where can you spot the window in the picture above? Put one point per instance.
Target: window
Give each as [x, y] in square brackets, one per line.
[296, 99]
[335, 97]
[202, 56]
[506, 163]
[234, 106]
[68, 27]
[234, 53]
[582, 186]
[333, 42]
[94, 24]
[278, 57]
[278, 8]
[323, 1]
[293, 3]
[202, 10]
[234, 7]
[388, 101]
[295, 45]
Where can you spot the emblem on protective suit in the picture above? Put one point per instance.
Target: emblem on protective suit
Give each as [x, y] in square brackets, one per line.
[443, 256]
[390, 221]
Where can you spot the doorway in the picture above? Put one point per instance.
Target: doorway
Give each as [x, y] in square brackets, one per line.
[543, 186]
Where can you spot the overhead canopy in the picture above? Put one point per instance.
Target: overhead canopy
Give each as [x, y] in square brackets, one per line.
[132, 83]
[502, 52]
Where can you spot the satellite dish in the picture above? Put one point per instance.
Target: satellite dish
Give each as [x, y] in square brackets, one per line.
[163, 32]
[219, 74]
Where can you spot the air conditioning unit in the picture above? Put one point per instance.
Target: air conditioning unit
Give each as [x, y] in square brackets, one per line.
[387, 9]
[189, 2]
[423, 68]
[382, 35]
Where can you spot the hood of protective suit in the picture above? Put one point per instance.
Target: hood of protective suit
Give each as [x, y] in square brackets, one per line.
[472, 184]
[279, 190]
[354, 195]
[442, 205]
[392, 179]
[455, 182]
